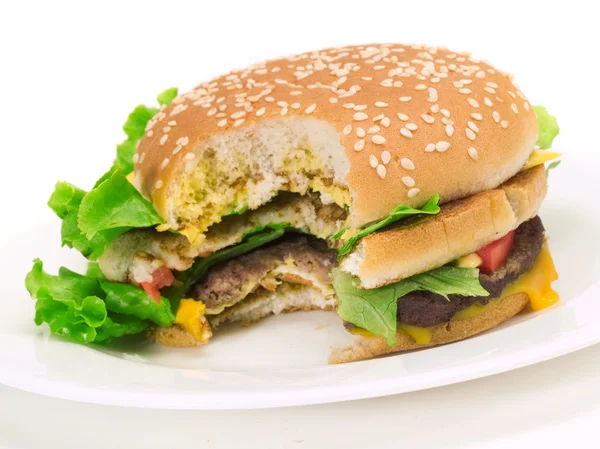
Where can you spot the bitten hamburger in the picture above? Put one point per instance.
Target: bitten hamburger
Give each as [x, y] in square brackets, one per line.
[396, 184]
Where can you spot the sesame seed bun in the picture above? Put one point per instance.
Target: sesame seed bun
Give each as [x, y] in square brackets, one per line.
[491, 316]
[460, 228]
[371, 126]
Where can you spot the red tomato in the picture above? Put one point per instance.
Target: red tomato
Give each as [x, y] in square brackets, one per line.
[494, 254]
[162, 277]
[152, 291]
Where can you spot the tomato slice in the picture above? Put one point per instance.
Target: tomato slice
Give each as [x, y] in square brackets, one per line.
[162, 277]
[152, 291]
[494, 254]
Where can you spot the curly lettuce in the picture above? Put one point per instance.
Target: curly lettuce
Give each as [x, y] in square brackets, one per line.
[548, 127]
[375, 310]
[87, 309]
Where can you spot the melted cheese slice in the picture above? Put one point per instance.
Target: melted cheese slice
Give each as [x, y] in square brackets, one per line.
[190, 316]
[538, 157]
[536, 283]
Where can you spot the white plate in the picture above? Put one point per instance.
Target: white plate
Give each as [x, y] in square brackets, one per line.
[281, 361]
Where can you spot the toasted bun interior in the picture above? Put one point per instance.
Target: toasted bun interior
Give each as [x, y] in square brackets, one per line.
[455, 330]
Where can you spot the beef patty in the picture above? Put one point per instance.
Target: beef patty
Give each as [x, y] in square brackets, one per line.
[232, 281]
[425, 309]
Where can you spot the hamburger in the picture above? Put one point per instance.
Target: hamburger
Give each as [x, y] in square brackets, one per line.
[395, 184]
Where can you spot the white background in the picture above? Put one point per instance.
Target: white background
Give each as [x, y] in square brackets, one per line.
[70, 74]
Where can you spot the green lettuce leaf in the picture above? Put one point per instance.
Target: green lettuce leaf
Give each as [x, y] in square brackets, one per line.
[115, 204]
[135, 126]
[375, 310]
[94, 271]
[547, 127]
[87, 309]
[127, 299]
[431, 207]
[167, 96]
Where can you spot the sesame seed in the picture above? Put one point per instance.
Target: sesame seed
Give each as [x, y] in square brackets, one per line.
[373, 129]
[473, 102]
[402, 116]
[269, 99]
[385, 122]
[398, 83]
[447, 121]
[420, 87]
[442, 146]
[296, 92]
[360, 107]
[172, 123]
[480, 74]
[427, 118]
[381, 171]
[413, 192]
[514, 108]
[373, 161]
[347, 130]
[435, 108]
[222, 123]
[360, 132]
[163, 139]
[386, 157]
[477, 116]
[488, 102]
[220, 115]
[241, 120]
[473, 126]
[310, 109]
[295, 106]
[333, 100]
[378, 117]
[458, 84]
[473, 153]
[260, 111]
[189, 156]
[150, 133]
[496, 116]
[504, 124]
[211, 112]
[283, 111]
[378, 140]
[430, 147]
[412, 126]
[449, 130]
[500, 99]
[177, 149]
[445, 112]
[166, 129]
[491, 84]
[360, 116]
[405, 132]
[408, 164]
[135, 158]
[526, 106]
[348, 105]
[165, 162]
[470, 134]
[464, 90]
[158, 184]
[490, 90]
[238, 114]
[408, 181]
[512, 94]
[405, 99]
[359, 145]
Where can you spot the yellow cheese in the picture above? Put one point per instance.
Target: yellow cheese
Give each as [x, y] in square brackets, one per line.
[538, 157]
[469, 261]
[130, 177]
[537, 282]
[421, 335]
[190, 316]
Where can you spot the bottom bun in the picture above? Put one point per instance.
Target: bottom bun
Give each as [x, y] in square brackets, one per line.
[491, 316]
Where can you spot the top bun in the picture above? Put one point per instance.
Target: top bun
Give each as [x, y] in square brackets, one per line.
[369, 126]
